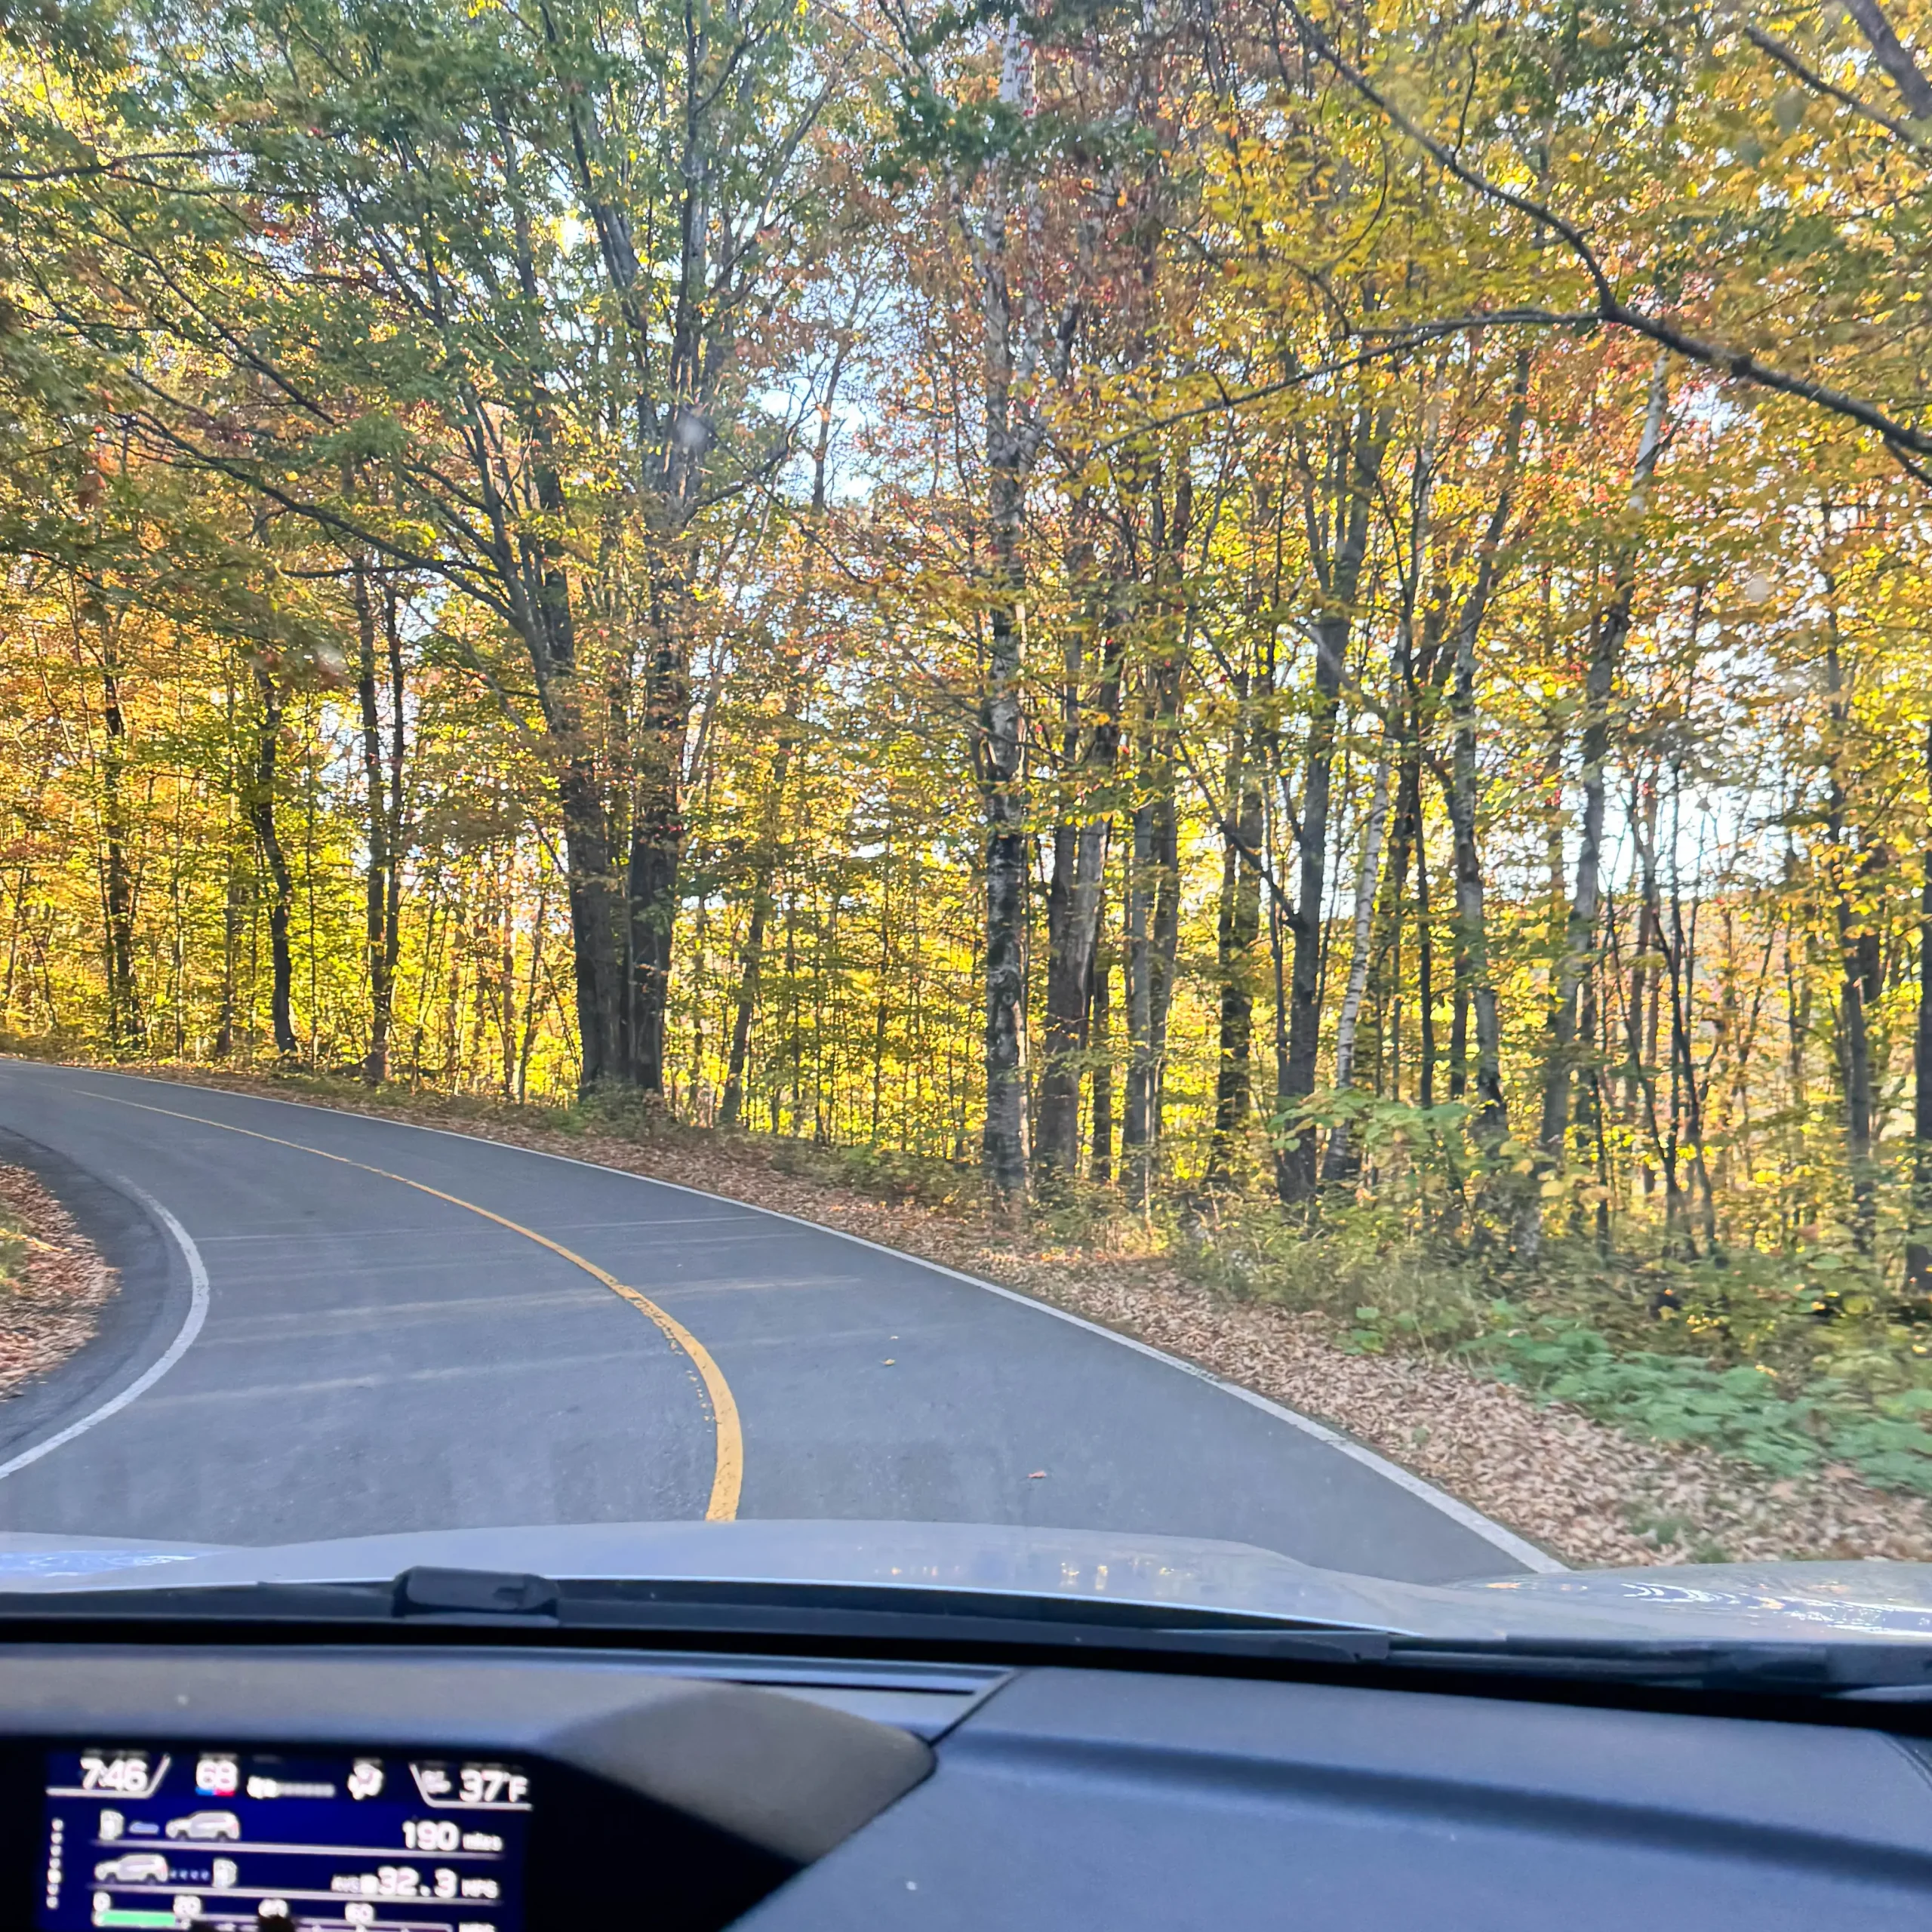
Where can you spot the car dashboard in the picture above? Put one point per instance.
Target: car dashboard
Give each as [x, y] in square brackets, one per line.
[474, 1786]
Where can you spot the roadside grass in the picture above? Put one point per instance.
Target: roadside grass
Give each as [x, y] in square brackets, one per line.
[1791, 1363]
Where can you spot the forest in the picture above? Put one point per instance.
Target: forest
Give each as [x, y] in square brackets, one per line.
[1301, 625]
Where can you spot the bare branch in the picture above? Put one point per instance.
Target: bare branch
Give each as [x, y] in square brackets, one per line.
[1901, 439]
[1398, 342]
[1788, 58]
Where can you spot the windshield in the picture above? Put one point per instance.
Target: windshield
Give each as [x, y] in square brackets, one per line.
[1122, 773]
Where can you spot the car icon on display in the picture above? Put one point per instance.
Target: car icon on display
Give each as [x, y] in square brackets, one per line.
[132, 1868]
[204, 1825]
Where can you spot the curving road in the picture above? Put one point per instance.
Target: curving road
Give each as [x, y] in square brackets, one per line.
[334, 1326]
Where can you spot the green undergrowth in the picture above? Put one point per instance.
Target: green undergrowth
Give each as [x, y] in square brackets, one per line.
[882, 1172]
[1790, 1363]
[1784, 1425]
[885, 1173]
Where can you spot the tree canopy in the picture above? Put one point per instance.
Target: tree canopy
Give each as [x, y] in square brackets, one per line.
[1227, 608]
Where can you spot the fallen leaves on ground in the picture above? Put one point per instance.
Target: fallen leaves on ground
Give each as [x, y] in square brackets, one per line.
[51, 1303]
[1585, 1492]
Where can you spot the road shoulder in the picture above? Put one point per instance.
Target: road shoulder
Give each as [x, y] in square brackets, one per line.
[135, 1323]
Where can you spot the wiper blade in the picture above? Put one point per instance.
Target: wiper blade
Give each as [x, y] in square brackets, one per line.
[435, 1597]
[686, 1611]
[1849, 1664]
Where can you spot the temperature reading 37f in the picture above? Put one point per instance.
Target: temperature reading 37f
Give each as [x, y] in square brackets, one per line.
[480, 1787]
[490, 1784]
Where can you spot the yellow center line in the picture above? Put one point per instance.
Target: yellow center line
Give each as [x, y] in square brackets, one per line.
[728, 1474]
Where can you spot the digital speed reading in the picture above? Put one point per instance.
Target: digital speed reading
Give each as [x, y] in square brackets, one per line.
[228, 1840]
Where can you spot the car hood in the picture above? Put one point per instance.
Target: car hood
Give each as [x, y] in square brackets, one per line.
[1780, 1601]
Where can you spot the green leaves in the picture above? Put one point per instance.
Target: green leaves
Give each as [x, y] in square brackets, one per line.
[1741, 1411]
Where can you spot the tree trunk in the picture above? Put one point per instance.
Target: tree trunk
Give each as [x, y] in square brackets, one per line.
[1075, 893]
[1640, 1020]
[1003, 1142]
[540, 599]
[1239, 929]
[398, 824]
[1073, 911]
[1580, 927]
[1100, 1013]
[1336, 1161]
[1474, 994]
[1154, 868]
[1425, 958]
[1649, 942]
[1854, 992]
[997, 742]
[1136, 1126]
[261, 818]
[125, 1029]
[1687, 1083]
[792, 696]
[1918, 1250]
[1385, 980]
[657, 846]
[533, 1007]
[1358, 465]
[1894, 56]
[1663, 1128]
[1295, 1171]
[595, 955]
[530, 564]
[676, 432]
[382, 881]
[1166, 948]
[1410, 828]
[234, 886]
[751, 965]
[1152, 937]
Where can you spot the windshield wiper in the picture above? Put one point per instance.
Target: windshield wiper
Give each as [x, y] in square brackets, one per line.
[1852, 1663]
[436, 1599]
[687, 1611]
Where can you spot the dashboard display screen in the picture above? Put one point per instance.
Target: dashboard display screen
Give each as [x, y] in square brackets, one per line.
[244, 1841]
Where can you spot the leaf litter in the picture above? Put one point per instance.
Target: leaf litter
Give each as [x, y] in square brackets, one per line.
[53, 1287]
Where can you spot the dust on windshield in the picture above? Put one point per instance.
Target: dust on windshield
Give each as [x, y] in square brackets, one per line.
[1260, 671]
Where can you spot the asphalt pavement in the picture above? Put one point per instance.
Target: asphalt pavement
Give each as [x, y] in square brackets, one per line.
[332, 1325]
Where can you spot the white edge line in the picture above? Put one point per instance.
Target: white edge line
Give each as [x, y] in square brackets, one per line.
[191, 1326]
[1507, 1541]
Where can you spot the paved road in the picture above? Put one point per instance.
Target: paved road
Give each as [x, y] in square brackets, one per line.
[375, 1355]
